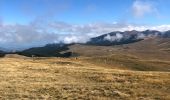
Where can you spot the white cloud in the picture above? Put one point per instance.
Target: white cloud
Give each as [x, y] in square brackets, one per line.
[22, 36]
[74, 39]
[116, 37]
[141, 36]
[140, 8]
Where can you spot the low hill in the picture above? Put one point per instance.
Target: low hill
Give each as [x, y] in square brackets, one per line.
[151, 54]
[50, 50]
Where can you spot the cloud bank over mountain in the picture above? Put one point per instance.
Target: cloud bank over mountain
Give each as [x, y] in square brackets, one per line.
[31, 35]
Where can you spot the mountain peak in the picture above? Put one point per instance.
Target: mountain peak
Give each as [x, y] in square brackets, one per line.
[117, 38]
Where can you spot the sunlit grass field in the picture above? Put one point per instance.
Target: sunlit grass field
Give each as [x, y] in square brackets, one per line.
[79, 78]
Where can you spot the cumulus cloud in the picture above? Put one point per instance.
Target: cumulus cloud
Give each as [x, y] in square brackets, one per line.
[141, 36]
[116, 37]
[140, 8]
[74, 39]
[22, 36]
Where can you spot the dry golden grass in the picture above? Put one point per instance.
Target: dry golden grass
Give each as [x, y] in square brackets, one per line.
[69, 78]
[129, 62]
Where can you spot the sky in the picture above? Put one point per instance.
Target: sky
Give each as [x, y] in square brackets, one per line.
[27, 23]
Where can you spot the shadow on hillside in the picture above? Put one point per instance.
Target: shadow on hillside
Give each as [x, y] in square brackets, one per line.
[2, 54]
[50, 50]
[65, 55]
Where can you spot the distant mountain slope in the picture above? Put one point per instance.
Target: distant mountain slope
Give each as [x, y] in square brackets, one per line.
[151, 48]
[166, 34]
[151, 54]
[154, 48]
[118, 38]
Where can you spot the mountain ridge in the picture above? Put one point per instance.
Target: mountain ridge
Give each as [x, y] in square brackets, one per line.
[126, 37]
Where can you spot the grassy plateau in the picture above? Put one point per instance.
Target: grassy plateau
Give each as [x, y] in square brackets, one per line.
[78, 78]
